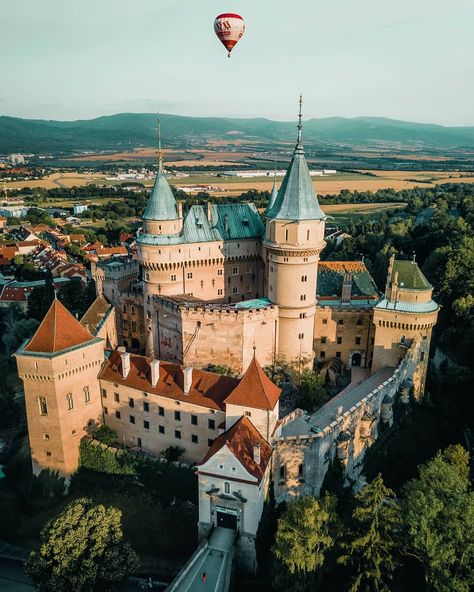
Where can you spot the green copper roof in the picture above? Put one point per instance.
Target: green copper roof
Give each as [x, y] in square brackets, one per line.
[413, 307]
[273, 196]
[227, 222]
[161, 203]
[410, 276]
[296, 199]
[331, 276]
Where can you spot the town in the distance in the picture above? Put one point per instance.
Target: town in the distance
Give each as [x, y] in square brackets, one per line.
[206, 358]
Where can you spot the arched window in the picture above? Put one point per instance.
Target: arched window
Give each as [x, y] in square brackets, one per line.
[402, 339]
[226, 487]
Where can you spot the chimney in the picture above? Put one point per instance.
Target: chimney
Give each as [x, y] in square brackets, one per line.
[346, 288]
[155, 372]
[121, 349]
[208, 211]
[256, 453]
[180, 209]
[125, 363]
[188, 379]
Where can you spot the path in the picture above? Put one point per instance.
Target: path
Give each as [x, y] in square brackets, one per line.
[214, 559]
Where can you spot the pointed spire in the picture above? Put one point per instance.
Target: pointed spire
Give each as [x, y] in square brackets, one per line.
[296, 199]
[300, 125]
[274, 193]
[161, 204]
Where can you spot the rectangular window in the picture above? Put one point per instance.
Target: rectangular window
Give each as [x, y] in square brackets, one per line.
[161, 429]
[131, 402]
[104, 393]
[340, 322]
[194, 419]
[194, 439]
[118, 415]
[219, 292]
[211, 424]
[146, 425]
[210, 442]
[161, 411]
[357, 340]
[248, 413]
[132, 419]
[339, 340]
[235, 271]
[116, 397]
[146, 406]
[177, 415]
[106, 411]
[322, 354]
[48, 453]
[70, 402]
[177, 434]
[173, 278]
[87, 394]
[45, 436]
[235, 289]
[190, 275]
[338, 354]
[43, 406]
[325, 321]
[360, 322]
[324, 339]
[220, 272]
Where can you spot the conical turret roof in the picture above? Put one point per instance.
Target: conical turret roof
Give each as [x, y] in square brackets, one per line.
[161, 203]
[273, 196]
[296, 199]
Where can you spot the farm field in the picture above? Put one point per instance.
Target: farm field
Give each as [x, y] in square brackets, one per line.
[371, 180]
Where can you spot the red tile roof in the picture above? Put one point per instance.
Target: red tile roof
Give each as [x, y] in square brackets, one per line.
[255, 389]
[58, 330]
[207, 389]
[240, 440]
[342, 266]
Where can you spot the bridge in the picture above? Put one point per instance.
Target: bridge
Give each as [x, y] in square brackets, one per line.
[214, 558]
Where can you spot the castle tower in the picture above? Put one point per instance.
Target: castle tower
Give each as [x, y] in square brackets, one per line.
[59, 368]
[405, 317]
[294, 238]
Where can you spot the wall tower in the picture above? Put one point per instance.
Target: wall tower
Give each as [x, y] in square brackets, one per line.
[294, 238]
[59, 368]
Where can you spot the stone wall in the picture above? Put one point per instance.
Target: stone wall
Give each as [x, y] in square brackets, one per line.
[301, 462]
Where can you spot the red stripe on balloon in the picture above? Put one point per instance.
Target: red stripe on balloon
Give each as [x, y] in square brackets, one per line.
[229, 15]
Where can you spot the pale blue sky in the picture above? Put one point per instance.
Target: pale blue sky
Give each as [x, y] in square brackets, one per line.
[406, 59]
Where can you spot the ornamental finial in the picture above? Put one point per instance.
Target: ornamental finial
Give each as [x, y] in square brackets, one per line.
[160, 152]
[300, 125]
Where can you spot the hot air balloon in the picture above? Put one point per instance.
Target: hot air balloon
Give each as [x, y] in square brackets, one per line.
[229, 27]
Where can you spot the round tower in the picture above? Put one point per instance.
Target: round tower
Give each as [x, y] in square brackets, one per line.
[294, 238]
[404, 320]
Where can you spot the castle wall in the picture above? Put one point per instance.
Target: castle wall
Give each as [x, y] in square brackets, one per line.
[148, 436]
[198, 335]
[346, 438]
[342, 332]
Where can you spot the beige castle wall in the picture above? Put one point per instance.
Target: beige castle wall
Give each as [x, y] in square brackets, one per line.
[60, 431]
[151, 440]
[356, 323]
[225, 336]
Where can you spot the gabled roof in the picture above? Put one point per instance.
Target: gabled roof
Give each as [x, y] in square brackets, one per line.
[296, 199]
[59, 330]
[207, 389]
[255, 389]
[240, 439]
[161, 203]
[95, 313]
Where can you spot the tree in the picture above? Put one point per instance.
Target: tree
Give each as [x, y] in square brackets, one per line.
[372, 543]
[16, 329]
[439, 521]
[172, 453]
[82, 550]
[40, 300]
[304, 534]
[106, 435]
[311, 389]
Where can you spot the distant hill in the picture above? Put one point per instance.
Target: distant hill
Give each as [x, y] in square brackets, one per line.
[133, 130]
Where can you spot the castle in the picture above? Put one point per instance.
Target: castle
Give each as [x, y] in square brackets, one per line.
[219, 285]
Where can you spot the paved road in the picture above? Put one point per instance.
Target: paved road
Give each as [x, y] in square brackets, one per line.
[213, 563]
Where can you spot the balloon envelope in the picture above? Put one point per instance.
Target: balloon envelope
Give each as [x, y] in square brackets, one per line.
[229, 27]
